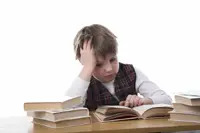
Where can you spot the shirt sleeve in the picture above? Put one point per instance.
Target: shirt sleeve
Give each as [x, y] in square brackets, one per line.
[78, 88]
[147, 88]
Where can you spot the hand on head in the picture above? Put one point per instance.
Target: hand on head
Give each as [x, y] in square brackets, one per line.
[87, 58]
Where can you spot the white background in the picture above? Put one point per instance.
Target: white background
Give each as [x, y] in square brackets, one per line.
[160, 38]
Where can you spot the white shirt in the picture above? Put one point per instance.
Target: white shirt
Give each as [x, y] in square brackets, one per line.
[143, 86]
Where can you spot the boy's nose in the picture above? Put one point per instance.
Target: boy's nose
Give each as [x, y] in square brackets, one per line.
[108, 67]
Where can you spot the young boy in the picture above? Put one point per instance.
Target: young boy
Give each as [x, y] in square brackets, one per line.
[105, 81]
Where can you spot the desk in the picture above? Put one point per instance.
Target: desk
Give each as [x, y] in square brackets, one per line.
[24, 125]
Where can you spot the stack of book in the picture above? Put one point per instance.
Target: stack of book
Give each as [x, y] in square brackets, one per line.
[186, 108]
[58, 114]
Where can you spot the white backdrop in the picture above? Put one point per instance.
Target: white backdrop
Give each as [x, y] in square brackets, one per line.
[160, 38]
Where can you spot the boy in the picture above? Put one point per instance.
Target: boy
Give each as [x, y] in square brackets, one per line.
[105, 81]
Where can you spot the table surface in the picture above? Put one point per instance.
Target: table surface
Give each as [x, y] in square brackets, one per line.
[25, 125]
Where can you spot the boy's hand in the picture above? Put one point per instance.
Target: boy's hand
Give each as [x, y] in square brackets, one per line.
[134, 100]
[87, 58]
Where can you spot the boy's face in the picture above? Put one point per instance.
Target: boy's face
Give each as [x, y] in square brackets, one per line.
[106, 68]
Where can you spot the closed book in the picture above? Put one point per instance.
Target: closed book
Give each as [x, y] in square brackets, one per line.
[52, 104]
[116, 113]
[192, 100]
[59, 115]
[182, 108]
[64, 123]
[189, 117]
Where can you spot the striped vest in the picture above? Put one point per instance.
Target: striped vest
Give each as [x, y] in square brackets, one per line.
[124, 84]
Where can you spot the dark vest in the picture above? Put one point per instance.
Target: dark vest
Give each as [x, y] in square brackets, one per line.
[124, 84]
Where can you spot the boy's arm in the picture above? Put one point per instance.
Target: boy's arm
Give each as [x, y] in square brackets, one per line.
[148, 89]
[88, 60]
[86, 73]
[78, 88]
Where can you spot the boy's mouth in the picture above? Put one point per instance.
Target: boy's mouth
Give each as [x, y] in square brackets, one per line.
[109, 76]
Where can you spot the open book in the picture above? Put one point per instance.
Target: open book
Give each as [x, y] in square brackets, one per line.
[52, 104]
[116, 113]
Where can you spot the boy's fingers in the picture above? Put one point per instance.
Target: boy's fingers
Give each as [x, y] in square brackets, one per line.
[85, 44]
[132, 104]
[89, 43]
[127, 104]
[132, 100]
[141, 101]
[122, 103]
[136, 100]
[128, 98]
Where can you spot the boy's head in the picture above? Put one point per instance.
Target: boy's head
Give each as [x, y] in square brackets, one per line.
[103, 40]
[104, 44]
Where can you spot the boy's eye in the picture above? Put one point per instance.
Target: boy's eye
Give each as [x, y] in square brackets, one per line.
[99, 65]
[113, 59]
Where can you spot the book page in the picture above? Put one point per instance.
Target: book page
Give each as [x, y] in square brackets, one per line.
[111, 109]
[114, 117]
[143, 108]
[113, 106]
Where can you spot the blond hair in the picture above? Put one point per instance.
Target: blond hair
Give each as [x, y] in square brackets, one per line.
[103, 40]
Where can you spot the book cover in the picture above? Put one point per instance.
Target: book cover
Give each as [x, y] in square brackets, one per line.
[59, 115]
[52, 104]
[64, 123]
[190, 117]
[187, 109]
[187, 99]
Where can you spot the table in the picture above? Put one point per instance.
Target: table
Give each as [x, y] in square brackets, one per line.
[24, 125]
